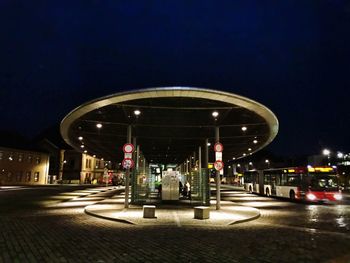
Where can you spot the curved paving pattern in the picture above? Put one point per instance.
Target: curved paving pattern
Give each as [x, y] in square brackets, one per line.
[113, 209]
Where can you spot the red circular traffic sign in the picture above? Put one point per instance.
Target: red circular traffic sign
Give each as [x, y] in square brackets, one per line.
[128, 163]
[128, 148]
[218, 165]
[218, 147]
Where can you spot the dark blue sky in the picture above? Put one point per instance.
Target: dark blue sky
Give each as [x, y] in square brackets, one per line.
[292, 56]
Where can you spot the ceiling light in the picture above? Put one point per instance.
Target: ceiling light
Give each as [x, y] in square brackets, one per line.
[80, 138]
[137, 112]
[99, 125]
[215, 114]
[244, 128]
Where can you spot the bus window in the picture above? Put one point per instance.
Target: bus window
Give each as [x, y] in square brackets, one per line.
[266, 178]
[327, 182]
[294, 179]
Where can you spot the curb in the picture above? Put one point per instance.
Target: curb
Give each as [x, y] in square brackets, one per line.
[245, 220]
[108, 218]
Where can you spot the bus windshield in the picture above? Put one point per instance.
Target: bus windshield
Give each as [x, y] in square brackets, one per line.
[324, 182]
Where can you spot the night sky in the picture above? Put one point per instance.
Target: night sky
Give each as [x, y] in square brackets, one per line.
[291, 56]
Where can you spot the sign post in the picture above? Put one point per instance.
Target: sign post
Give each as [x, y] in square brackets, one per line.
[219, 165]
[126, 148]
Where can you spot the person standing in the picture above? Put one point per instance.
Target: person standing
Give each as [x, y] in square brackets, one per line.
[188, 189]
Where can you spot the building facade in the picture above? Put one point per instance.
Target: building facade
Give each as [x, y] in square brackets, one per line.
[81, 168]
[23, 167]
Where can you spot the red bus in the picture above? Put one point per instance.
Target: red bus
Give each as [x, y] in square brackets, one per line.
[306, 183]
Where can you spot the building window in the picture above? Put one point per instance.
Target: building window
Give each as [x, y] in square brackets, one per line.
[28, 176]
[30, 159]
[20, 157]
[1, 155]
[19, 176]
[97, 164]
[37, 160]
[9, 177]
[36, 176]
[88, 163]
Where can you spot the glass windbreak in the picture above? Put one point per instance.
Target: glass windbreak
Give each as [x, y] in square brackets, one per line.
[324, 182]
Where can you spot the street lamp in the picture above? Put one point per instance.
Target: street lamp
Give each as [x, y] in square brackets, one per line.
[268, 163]
[137, 112]
[327, 153]
[250, 165]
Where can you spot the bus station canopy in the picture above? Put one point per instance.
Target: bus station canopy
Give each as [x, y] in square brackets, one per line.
[172, 124]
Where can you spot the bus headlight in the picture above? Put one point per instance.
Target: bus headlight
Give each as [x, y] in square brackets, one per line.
[338, 197]
[311, 196]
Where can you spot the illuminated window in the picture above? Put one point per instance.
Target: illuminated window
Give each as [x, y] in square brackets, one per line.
[37, 160]
[20, 157]
[36, 176]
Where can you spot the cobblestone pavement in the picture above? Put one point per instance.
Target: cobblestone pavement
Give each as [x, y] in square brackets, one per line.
[58, 230]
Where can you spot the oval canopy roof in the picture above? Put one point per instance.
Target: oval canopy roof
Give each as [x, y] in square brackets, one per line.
[172, 124]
